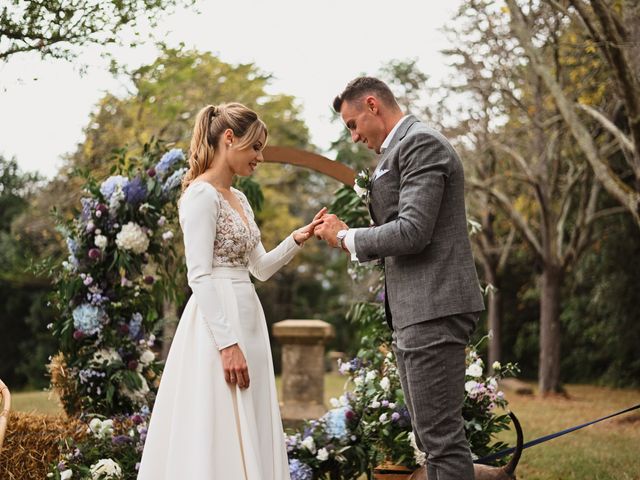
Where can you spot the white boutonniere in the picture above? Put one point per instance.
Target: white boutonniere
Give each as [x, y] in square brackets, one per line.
[362, 185]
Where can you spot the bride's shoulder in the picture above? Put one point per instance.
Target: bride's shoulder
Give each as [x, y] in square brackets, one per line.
[197, 192]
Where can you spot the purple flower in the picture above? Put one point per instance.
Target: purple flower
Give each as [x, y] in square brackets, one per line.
[151, 172]
[148, 279]
[395, 416]
[300, 470]
[94, 253]
[135, 191]
[120, 439]
[380, 296]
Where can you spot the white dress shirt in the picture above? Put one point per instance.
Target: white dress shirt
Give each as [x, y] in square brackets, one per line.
[349, 239]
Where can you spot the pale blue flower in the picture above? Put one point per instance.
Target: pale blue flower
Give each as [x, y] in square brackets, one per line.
[336, 422]
[135, 325]
[109, 185]
[173, 181]
[168, 160]
[88, 318]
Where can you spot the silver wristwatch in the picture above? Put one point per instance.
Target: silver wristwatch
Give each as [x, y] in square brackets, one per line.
[340, 237]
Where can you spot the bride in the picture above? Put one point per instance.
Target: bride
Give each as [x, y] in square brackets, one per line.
[216, 415]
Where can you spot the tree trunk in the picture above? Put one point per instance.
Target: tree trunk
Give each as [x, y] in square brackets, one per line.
[494, 312]
[549, 368]
[169, 327]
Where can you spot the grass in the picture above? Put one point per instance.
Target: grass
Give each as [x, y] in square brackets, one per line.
[607, 451]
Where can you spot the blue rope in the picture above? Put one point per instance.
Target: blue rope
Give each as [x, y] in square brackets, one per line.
[502, 453]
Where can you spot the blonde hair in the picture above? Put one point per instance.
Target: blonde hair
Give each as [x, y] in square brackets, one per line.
[211, 122]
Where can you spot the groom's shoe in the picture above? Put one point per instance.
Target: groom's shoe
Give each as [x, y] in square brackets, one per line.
[485, 472]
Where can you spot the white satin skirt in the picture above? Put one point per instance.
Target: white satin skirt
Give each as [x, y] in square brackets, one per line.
[202, 428]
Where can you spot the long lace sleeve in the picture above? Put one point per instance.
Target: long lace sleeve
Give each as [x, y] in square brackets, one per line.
[263, 264]
[199, 209]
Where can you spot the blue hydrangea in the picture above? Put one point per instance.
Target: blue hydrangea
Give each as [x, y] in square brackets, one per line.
[72, 245]
[173, 181]
[135, 191]
[336, 422]
[300, 470]
[135, 326]
[168, 160]
[109, 185]
[88, 318]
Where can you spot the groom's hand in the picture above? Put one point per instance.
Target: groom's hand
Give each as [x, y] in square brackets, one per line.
[329, 228]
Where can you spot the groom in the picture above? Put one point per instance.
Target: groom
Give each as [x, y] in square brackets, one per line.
[433, 296]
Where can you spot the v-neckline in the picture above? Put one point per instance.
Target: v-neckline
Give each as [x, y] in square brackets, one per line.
[243, 216]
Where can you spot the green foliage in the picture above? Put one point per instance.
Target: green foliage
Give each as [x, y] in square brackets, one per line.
[56, 28]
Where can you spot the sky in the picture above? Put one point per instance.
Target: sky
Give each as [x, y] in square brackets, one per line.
[311, 48]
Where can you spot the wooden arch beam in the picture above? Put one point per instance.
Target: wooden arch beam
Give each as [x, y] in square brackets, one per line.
[313, 161]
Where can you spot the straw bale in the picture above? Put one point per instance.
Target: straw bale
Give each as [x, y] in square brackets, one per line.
[33, 442]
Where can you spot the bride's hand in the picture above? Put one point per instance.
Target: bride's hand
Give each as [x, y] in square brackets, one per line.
[235, 366]
[305, 233]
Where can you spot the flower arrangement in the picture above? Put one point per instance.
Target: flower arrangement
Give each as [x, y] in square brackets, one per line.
[111, 450]
[370, 424]
[109, 290]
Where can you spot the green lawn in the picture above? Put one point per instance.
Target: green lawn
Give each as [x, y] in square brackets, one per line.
[606, 451]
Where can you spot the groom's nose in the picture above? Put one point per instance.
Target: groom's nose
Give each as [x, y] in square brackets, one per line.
[355, 136]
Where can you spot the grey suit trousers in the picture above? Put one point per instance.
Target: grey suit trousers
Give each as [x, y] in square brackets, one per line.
[431, 364]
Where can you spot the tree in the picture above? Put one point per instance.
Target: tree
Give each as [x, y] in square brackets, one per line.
[607, 29]
[527, 163]
[57, 28]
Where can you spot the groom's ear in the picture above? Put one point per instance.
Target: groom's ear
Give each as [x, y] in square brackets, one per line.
[372, 104]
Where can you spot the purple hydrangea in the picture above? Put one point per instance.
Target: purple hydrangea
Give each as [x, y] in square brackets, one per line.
[109, 185]
[300, 470]
[88, 206]
[167, 161]
[135, 191]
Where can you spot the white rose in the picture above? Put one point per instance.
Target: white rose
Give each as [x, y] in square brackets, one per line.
[100, 241]
[66, 474]
[375, 404]
[371, 375]
[383, 418]
[361, 192]
[168, 235]
[470, 386]
[323, 454]
[309, 444]
[474, 370]
[496, 365]
[147, 357]
[385, 384]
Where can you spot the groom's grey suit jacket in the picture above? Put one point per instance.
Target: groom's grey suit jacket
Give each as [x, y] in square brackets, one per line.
[421, 233]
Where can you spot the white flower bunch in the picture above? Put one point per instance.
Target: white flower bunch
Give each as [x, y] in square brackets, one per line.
[100, 428]
[100, 241]
[309, 444]
[147, 357]
[137, 396]
[362, 184]
[133, 238]
[105, 469]
[105, 355]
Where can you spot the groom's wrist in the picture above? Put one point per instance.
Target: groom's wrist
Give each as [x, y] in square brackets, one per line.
[340, 240]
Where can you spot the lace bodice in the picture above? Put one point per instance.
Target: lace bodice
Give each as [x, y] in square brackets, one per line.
[234, 239]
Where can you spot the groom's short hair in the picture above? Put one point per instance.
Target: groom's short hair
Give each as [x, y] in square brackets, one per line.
[361, 86]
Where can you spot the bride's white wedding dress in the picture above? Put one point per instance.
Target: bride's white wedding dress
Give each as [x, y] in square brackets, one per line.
[202, 428]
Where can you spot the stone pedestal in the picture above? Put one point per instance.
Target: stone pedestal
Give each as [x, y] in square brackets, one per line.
[303, 344]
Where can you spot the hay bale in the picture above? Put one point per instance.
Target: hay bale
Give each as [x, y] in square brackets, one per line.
[32, 444]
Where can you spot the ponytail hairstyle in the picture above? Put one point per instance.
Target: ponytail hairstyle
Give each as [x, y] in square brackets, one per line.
[211, 122]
